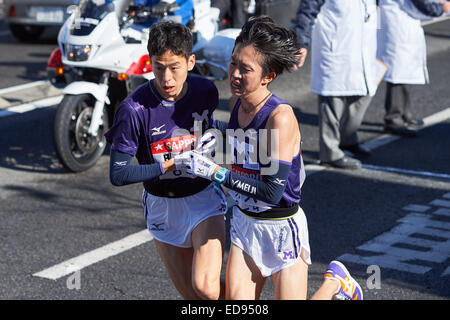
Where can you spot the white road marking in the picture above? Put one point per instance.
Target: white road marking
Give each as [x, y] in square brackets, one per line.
[407, 172]
[437, 117]
[441, 203]
[75, 264]
[428, 121]
[446, 272]
[43, 103]
[313, 168]
[418, 237]
[442, 212]
[23, 86]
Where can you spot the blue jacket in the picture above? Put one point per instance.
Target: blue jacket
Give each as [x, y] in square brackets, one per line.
[433, 9]
[304, 20]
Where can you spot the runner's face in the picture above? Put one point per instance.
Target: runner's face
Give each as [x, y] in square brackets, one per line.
[170, 72]
[245, 71]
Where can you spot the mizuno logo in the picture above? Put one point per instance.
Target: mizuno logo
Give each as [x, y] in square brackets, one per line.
[280, 181]
[157, 130]
[156, 227]
[120, 163]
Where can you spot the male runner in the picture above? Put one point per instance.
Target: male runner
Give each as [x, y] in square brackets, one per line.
[184, 213]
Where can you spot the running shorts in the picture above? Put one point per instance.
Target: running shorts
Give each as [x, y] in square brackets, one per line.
[272, 244]
[171, 220]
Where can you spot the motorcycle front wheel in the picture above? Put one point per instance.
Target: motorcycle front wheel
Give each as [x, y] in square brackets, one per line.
[75, 147]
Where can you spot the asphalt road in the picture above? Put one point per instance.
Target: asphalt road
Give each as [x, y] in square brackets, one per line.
[392, 215]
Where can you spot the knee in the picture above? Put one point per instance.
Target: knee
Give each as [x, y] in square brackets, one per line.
[207, 289]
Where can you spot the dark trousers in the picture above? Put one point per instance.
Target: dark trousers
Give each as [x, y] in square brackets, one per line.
[339, 120]
[397, 105]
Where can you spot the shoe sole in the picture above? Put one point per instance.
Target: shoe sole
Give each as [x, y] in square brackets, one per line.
[347, 272]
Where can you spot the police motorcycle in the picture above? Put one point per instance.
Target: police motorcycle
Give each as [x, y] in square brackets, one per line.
[102, 57]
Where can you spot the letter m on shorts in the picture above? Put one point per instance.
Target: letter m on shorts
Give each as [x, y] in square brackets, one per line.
[288, 255]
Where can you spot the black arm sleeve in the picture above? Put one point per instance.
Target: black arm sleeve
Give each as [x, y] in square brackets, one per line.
[269, 190]
[432, 9]
[123, 172]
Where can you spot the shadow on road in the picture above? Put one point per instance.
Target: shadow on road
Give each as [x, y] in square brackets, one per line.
[27, 143]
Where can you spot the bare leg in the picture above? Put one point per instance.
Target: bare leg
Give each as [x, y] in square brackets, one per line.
[243, 278]
[291, 283]
[195, 271]
[327, 290]
[208, 240]
[178, 262]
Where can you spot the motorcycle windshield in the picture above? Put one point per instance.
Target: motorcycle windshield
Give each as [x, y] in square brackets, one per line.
[91, 12]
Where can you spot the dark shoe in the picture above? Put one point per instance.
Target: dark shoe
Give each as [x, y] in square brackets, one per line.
[414, 122]
[401, 131]
[344, 163]
[358, 150]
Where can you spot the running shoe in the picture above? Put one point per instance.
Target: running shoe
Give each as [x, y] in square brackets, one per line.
[349, 289]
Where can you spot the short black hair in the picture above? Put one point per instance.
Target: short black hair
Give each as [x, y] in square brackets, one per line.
[278, 46]
[169, 35]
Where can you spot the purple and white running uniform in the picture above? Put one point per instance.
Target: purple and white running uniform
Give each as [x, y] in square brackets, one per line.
[144, 127]
[154, 130]
[291, 194]
[273, 244]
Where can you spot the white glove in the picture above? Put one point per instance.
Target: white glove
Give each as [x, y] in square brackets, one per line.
[183, 160]
[196, 164]
[206, 145]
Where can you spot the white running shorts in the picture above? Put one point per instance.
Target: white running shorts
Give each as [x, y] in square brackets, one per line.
[272, 244]
[171, 220]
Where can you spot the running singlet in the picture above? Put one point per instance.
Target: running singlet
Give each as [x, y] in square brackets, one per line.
[144, 126]
[252, 169]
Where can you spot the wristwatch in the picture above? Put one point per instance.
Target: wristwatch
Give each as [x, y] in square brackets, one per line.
[219, 176]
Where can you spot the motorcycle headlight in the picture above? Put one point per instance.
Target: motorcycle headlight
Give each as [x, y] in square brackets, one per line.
[78, 52]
